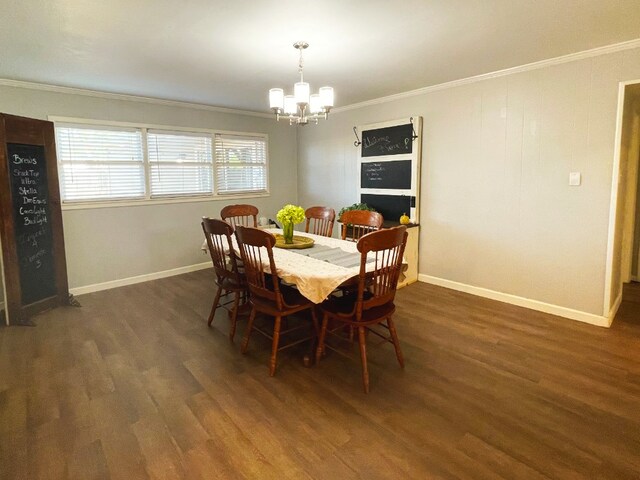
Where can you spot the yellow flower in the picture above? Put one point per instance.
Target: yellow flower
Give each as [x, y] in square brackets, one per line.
[290, 214]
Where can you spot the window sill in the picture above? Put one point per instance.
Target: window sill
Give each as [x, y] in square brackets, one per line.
[158, 201]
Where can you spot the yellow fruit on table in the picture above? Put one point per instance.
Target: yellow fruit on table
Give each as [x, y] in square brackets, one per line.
[404, 219]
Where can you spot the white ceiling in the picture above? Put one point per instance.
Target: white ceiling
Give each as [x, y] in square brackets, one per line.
[229, 53]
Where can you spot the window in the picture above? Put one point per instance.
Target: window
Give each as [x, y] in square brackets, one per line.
[241, 164]
[100, 164]
[180, 163]
[103, 163]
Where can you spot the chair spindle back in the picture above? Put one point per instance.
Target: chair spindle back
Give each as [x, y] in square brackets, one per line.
[254, 244]
[320, 220]
[361, 223]
[218, 235]
[241, 214]
[387, 247]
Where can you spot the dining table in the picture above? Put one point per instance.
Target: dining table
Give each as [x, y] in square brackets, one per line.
[316, 271]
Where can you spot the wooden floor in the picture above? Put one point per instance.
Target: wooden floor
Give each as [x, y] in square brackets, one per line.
[134, 385]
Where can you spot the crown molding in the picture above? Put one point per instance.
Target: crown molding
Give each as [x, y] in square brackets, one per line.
[572, 57]
[131, 98]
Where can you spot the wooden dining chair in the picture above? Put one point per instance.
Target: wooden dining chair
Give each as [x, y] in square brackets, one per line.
[267, 295]
[228, 277]
[374, 303]
[320, 220]
[242, 214]
[356, 223]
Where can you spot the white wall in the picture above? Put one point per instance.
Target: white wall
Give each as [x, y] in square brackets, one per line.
[110, 244]
[497, 211]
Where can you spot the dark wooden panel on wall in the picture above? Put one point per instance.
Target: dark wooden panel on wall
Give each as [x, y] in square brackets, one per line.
[31, 218]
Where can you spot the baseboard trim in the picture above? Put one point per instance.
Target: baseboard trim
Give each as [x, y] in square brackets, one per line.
[97, 287]
[600, 321]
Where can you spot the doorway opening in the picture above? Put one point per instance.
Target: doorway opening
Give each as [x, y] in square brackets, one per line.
[623, 261]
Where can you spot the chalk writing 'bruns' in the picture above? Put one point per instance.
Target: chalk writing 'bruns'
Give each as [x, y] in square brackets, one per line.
[18, 160]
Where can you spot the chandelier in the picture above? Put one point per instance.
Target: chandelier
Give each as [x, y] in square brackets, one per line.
[301, 107]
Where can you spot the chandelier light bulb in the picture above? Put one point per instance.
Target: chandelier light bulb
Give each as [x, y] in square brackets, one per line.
[314, 104]
[326, 97]
[290, 106]
[301, 92]
[276, 98]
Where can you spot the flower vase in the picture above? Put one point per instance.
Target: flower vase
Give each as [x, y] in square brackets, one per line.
[287, 232]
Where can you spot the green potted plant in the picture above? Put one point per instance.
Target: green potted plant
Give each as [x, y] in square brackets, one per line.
[355, 206]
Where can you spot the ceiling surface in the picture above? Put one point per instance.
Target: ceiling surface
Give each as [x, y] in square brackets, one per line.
[229, 53]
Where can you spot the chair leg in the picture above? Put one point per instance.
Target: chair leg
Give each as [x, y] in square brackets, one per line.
[234, 315]
[274, 346]
[321, 337]
[315, 337]
[362, 339]
[245, 342]
[214, 306]
[396, 342]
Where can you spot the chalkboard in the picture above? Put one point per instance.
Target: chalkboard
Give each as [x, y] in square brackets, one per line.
[32, 238]
[394, 140]
[33, 232]
[391, 207]
[388, 175]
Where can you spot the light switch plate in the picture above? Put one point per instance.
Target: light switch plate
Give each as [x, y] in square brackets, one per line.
[575, 179]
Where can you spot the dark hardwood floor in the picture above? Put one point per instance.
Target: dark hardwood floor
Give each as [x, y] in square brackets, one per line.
[134, 385]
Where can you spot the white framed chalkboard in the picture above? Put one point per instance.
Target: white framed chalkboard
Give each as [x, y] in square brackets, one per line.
[389, 159]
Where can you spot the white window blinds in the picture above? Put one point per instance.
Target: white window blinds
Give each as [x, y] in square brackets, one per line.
[240, 164]
[131, 161]
[180, 163]
[99, 163]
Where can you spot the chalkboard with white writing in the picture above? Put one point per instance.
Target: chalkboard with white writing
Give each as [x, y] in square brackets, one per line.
[396, 140]
[32, 238]
[33, 233]
[395, 174]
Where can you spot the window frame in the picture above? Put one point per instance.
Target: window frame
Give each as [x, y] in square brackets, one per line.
[164, 199]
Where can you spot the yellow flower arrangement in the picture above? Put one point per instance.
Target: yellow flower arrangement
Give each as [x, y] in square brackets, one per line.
[288, 216]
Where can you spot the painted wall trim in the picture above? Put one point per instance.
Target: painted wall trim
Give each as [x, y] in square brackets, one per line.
[97, 287]
[613, 202]
[572, 57]
[132, 98]
[565, 312]
[158, 201]
[614, 309]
